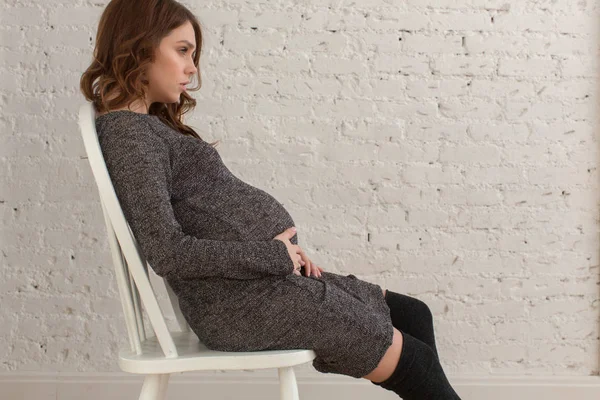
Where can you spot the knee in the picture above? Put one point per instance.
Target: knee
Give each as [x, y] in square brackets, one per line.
[409, 304]
[423, 309]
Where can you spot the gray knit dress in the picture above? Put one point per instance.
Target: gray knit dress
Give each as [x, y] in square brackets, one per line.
[211, 236]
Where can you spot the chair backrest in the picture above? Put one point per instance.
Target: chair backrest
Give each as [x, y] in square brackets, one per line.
[130, 265]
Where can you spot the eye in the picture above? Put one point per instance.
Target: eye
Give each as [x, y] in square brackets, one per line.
[185, 49]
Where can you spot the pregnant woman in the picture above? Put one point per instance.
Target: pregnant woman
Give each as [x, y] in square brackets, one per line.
[228, 249]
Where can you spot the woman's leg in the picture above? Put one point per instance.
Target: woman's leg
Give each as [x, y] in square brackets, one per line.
[412, 316]
[410, 369]
[388, 363]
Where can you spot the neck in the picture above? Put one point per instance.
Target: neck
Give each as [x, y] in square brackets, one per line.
[139, 106]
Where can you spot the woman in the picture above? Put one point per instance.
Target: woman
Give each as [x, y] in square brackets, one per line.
[228, 249]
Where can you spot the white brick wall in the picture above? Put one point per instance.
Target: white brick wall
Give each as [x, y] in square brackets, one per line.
[445, 149]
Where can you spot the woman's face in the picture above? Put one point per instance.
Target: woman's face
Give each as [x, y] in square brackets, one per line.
[173, 65]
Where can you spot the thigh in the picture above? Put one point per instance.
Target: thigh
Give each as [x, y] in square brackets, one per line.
[366, 292]
[330, 316]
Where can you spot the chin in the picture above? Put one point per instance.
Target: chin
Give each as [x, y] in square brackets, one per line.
[168, 99]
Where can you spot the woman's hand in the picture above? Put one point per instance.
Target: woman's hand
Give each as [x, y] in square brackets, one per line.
[299, 258]
[310, 268]
[293, 249]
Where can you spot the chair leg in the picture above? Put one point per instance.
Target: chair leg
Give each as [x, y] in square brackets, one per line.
[155, 387]
[288, 387]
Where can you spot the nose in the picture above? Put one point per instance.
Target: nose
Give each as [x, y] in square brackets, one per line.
[191, 68]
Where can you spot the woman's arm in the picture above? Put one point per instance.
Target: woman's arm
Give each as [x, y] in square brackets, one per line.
[139, 165]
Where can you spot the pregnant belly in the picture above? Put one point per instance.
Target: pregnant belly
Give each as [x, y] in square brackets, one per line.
[272, 224]
[247, 213]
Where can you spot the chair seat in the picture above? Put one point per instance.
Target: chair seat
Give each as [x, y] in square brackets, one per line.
[195, 356]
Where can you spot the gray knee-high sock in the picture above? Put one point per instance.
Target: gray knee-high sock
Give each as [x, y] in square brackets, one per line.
[418, 375]
[412, 316]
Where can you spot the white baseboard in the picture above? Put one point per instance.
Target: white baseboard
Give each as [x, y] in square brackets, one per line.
[264, 385]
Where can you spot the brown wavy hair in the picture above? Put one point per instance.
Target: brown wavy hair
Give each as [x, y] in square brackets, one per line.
[129, 32]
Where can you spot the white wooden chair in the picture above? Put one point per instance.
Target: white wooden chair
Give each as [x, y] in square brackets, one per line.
[166, 352]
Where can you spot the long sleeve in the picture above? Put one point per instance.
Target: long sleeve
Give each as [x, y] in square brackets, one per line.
[139, 165]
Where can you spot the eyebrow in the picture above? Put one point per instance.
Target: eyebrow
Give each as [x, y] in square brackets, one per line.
[188, 43]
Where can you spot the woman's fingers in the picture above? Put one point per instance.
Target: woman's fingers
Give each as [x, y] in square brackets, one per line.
[307, 264]
[310, 270]
[314, 271]
[318, 270]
